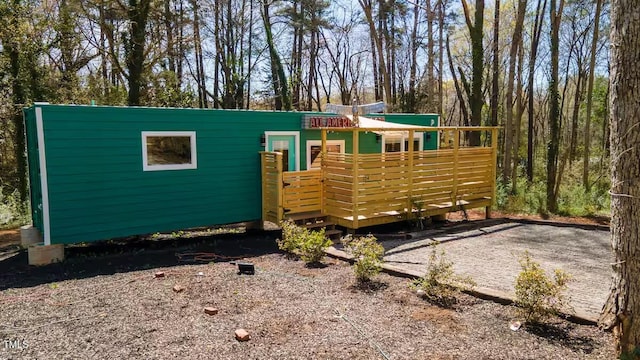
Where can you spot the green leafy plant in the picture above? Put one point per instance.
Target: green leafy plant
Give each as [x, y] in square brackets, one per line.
[291, 237]
[308, 245]
[12, 212]
[537, 295]
[368, 254]
[440, 284]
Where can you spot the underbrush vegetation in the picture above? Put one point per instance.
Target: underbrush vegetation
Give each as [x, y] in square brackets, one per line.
[300, 241]
[441, 284]
[573, 200]
[539, 296]
[368, 255]
[12, 212]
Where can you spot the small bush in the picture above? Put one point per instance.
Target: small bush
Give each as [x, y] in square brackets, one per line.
[12, 211]
[441, 283]
[291, 237]
[368, 254]
[308, 245]
[537, 295]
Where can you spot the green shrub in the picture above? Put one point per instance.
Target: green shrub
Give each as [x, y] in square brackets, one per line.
[441, 283]
[313, 245]
[308, 245]
[368, 254]
[537, 295]
[12, 211]
[291, 237]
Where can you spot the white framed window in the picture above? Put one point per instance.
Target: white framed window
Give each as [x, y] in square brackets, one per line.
[314, 147]
[288, 143]
[169, 150]
[401, 143]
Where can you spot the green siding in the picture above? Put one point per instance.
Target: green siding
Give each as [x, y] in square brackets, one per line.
[97, 186]
[33, 158]
[97, 189]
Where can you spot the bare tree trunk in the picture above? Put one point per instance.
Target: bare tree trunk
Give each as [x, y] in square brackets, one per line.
[554, 107]
[202, 92]
[508, 125]
[463, 106]
[374, 65]
[477, 54]
[441, 13]
[386, 82]
[430, 55]
[577, 100]
[18, 99]
[622, 310]
[587, 124]
[411, 96]
[495, 83]
[535, 39]
[250, 54]
[518, 123]
[138, 14]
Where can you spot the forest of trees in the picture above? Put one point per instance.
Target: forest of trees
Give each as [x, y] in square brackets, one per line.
[538, 68]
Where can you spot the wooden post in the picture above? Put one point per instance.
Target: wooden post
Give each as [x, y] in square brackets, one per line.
[456, 147]
[494, 157]
[263, 174]
[280, 187]
[410, 175]
[323, 157]
[356, 165]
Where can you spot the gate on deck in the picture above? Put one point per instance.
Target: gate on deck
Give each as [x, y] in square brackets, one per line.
[288, 192]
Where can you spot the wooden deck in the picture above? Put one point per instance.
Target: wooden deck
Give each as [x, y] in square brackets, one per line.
[359, 190]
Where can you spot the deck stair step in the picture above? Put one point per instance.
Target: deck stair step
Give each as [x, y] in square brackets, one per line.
[333, 234]
[321, 224]
[316, 221]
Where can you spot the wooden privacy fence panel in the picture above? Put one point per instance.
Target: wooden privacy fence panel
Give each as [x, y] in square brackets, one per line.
[337, 170]
[302, 191]
[272, 197]
[393, 185]
[366, 189]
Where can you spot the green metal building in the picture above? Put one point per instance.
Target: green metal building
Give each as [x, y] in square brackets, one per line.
[99, 172]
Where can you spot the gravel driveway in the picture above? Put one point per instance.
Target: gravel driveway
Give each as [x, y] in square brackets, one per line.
[488, 251]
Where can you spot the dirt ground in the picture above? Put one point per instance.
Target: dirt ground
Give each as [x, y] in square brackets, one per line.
[104, 302]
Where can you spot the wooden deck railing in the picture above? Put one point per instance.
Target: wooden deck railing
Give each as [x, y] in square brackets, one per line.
[359, 190]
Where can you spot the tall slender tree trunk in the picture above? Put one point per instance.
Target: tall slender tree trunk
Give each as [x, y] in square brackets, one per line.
[138, 15]
[496, 78]
[413, 69]
[430, 57]
[535, 39]
[279, 79]
[554, 107]
[19, 99]
[386, 80]
[587, 124]
[518, 122]
[477, 54]
[441, 13]
[459, 94]
[202, 89]
[622, 309]
[516, 41]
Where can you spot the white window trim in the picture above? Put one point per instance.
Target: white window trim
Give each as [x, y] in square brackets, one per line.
[161, 167]
[311, 143]
[416, 135]
[44, 184]
[296, 135]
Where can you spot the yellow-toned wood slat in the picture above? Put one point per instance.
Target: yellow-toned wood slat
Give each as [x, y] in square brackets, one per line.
[367, 189]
